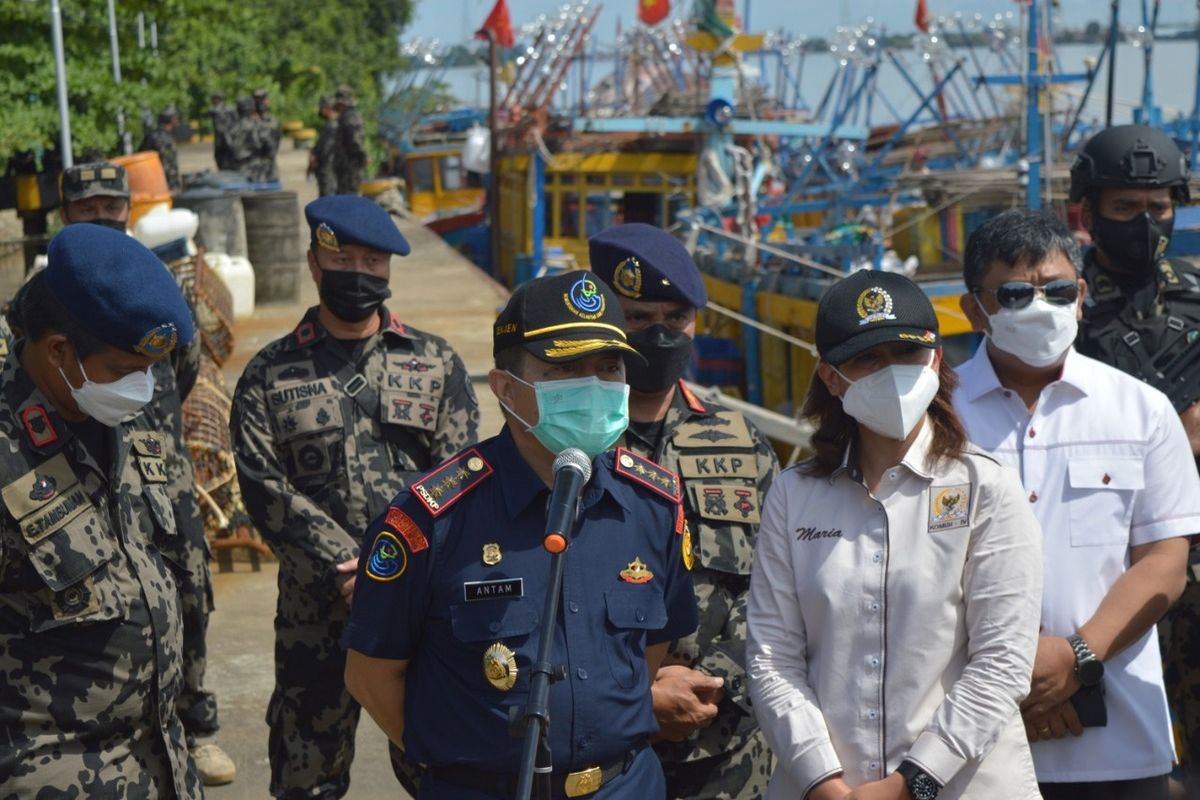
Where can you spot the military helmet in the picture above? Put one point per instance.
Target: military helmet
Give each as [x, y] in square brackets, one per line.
[95, 179]
[1133, 156]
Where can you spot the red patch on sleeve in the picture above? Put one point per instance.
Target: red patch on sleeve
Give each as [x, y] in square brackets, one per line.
[403, 524]
[680, 520]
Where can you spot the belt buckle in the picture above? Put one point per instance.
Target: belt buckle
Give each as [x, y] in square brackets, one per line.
[355, 385]
[585, 781]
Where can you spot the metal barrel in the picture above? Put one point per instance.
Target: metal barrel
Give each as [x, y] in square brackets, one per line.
[273, 244]
[222, 221]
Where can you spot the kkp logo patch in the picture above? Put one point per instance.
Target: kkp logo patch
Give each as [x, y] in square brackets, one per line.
[874, 305]
[584, 299]
[388, 559]
[627, 278]
[158, 341]
[949, 507]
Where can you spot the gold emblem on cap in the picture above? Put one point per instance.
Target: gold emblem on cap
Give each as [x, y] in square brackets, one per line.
[327, 238]
[492, 554]
[627, 278]
[474, 463]
[158, 341]
[874, 305]
[500, 667]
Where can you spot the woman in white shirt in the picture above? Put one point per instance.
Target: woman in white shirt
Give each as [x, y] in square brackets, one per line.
[895, 597]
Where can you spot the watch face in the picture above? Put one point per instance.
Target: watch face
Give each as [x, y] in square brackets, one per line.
[1091, 671]
[923, 787]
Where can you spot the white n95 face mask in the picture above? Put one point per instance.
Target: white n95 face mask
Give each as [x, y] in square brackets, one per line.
[892, 400]
[1039, 334]
[112, 403]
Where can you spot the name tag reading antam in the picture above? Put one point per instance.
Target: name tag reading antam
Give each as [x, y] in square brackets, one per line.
[493, 590]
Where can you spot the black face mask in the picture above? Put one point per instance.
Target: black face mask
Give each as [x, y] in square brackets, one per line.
[352, 296]
[667, 353]
[1134, 246]
[116, 225]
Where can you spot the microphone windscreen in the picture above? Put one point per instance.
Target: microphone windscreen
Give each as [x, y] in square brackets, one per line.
[576, 459]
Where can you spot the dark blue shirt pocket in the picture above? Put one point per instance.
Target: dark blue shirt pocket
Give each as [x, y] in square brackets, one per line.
[478, 625]
[631, 612]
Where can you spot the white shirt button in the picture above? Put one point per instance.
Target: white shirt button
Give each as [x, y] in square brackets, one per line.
[873, 765]
[877, 557]
[892, 475]
[872, 714]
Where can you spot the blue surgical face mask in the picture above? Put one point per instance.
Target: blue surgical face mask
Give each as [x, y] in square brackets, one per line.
[586, 413]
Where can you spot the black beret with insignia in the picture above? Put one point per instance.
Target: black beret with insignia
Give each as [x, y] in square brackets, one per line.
[340, 219]
[643, 262]
[118, 290]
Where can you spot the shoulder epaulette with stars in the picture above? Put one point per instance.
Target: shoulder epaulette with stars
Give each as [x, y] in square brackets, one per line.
[690, 398]
[449, 483]
[646, 473]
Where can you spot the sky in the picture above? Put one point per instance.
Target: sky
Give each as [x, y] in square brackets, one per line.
[452, 21]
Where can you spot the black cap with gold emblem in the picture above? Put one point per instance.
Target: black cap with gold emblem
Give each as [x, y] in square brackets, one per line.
[562, 318]
[872, 307]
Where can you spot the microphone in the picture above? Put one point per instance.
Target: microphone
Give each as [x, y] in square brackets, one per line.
[572, 469]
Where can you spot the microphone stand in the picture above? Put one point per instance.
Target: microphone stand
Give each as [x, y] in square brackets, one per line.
[572, 469]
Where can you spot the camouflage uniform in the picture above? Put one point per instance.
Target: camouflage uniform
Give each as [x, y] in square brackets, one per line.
[322, 445]
[163, 142]
[243, 137]
[323, 152]
[90, 636]
[223, 119]
[268, 148]
[726, 466]
[350, 154]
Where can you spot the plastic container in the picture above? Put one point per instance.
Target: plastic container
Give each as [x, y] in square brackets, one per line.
[476, 152]
[273, 244]
[222, 221]
[238, 276]
[162, 226]
[145, 171]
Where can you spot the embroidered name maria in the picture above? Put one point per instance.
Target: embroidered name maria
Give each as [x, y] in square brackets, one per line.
[299, 392]
[809, 534]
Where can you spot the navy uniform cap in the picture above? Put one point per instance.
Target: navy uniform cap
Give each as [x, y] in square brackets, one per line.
[349, 219]
[872, 307]
[562, 318]
[118, 290]
[643, 262]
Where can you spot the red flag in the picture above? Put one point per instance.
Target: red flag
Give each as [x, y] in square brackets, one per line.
[653, 12]
[500, 24]
[922, 17]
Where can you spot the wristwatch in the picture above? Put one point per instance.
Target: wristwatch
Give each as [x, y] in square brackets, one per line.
[1088, 668]
[921, 785]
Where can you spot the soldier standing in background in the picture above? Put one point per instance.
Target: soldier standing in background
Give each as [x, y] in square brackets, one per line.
[350, 154]
[320, 160]
[328, 424]
[90, 635]
[711, 746]
[244, 136]
[269, 135]
[223, 119]
[162, 140]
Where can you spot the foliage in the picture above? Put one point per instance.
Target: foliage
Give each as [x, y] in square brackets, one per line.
[297, 50]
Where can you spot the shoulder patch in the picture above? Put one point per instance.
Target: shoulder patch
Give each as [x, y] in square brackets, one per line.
[38, 426]
[446, 485]
[645, 472]
[403, 524]
[690, 398]
[387, 560]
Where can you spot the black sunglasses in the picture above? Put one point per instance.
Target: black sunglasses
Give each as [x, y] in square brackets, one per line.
[1018, 294]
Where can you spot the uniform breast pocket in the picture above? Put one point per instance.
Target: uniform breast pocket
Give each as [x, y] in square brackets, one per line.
[481, 623]
[631, 613]
[73, 563]
[310, 434]
[1101, 493]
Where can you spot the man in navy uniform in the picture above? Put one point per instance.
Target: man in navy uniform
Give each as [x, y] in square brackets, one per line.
[444, 624]
[711, 747]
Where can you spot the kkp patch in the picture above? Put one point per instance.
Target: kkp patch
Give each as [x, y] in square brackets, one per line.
[584, 299]
[949, 507]
[627, 278]
[158, 341]
[403, 524]
[388, 559]
[874, 305]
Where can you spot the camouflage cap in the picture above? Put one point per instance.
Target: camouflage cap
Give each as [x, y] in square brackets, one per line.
[167, 114]
[344, 94]
[245, 105]
[259, 94]
[94, 179]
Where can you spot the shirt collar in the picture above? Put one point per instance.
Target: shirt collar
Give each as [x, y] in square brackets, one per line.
[310, 330]
[914, 460]
[978, 376]
[519, 484]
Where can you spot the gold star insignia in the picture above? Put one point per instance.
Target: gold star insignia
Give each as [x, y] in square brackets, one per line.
[435, 490]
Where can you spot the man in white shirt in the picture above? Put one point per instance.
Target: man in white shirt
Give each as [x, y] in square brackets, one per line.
[1110, 477]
